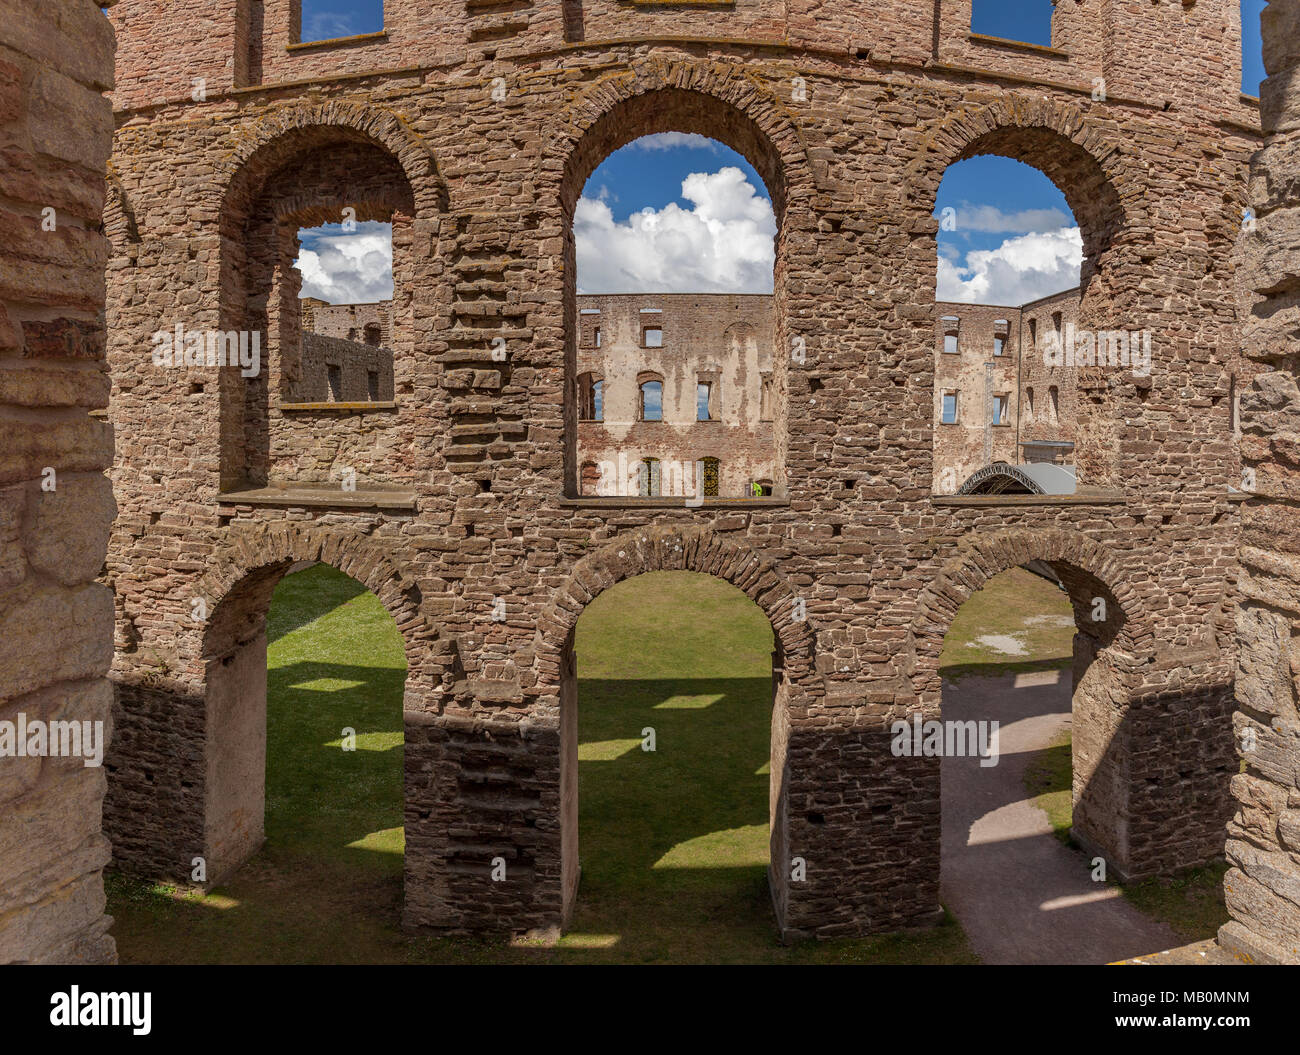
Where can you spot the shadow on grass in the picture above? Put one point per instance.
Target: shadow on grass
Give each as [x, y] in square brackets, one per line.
[306, 595]
[673, 843]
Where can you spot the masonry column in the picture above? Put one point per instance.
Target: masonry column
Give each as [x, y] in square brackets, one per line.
[1262, 888]
[56, 622]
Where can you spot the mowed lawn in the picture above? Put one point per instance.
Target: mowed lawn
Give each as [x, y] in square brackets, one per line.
[673, 842]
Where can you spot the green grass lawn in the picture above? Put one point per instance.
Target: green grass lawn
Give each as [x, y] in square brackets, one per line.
[673, 843]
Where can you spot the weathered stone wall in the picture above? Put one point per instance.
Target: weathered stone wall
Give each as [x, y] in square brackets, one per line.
[724, 340]
[1047, 414]
[858, 566]
[56, 60]
[1263, 886]
[974, 375]
[365, 372]
[350, 322]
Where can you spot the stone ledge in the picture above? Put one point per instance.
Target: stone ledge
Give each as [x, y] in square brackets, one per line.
[319, 498]
[1083, 497]
[1018, 45]
[337, 408]
[615, 503]
[338, 42]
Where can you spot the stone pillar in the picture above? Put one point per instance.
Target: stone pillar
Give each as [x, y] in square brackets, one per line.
[56, 622]
[1262, 888]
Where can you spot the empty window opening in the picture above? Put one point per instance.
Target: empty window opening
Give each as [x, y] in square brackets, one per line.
[950, 408]
[704, 409]
[336, 19]
[648, 478]
[1027, 21]
[1001, 406]
[335, 374]
[765, 398]
[652, 400]
[652, 337]
[372, 385]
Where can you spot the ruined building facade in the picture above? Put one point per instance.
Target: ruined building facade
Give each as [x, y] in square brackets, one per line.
[1262, 887]
[56, 504]
[999, 395]
[473, 133]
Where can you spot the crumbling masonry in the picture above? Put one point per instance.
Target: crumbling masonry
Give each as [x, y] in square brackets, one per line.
[472, 128]
[1263, 886]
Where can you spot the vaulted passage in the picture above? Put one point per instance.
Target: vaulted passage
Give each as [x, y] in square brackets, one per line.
[669, 724]
[1027, 754]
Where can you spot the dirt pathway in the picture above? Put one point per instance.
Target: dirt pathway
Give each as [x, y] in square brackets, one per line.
[1021, 894]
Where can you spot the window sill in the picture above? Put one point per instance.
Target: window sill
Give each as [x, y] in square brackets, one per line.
[678, 502]
[337, 408]
[985, 40]
[338, 42]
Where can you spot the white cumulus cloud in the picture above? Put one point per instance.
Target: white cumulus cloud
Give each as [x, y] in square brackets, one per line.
[1021, 269]
[722, 244]
[349, 268]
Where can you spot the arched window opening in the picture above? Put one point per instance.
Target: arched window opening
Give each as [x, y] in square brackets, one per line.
[665, 294]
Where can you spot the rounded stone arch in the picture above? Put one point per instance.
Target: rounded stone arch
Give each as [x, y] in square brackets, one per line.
[249, 570]
[261, 146]
[712, 99]
[1104, 186]
[680, 549]
[708, 98]
[978, 561]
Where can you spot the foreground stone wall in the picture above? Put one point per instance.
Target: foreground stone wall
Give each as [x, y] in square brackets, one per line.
[478, 155]
[1263, 886]
[56, 60]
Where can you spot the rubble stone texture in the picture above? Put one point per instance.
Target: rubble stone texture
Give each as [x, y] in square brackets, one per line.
[1263, 886]
[474, 133]
[56, 61]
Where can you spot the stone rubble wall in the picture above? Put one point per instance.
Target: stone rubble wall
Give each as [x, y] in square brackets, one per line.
[56, 61]
[1263, 886]
[480, 163]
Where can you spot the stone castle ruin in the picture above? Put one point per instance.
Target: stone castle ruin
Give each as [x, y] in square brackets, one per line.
[461, 503]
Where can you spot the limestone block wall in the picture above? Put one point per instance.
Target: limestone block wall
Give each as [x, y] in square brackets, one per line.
[56, 60]
[1263, 886]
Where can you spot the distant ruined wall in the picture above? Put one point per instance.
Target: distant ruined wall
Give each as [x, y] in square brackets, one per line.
[1263, 886]
[56, 622]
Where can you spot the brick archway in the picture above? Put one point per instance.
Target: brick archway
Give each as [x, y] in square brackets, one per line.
[1073, 151]
[268, 552]
[664, 548]
[1112, 643]
[261, 145]
[978, 561]
[679, 549]
[715, 100]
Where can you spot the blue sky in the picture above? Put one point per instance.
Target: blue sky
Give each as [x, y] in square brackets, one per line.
[325, 19]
